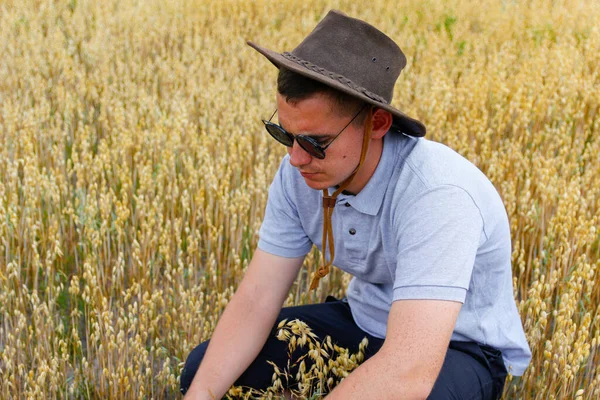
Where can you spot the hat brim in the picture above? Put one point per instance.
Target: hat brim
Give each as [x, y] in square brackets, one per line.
[402, 122]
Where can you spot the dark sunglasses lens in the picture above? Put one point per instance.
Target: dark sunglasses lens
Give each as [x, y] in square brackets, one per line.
[279, 134]
[286, 139]
[310, 147]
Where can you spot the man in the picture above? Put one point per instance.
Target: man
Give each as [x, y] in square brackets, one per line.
[422, 230]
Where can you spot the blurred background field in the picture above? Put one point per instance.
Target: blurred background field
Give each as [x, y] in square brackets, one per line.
[134, 171]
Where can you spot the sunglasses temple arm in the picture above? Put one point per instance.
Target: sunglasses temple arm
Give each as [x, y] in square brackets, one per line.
[343, 129]
[274, 112]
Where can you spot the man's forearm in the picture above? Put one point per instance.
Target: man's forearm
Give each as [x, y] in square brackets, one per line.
[237, 340]
[378, 378]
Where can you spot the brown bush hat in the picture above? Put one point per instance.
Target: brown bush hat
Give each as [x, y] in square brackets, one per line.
[353, 57]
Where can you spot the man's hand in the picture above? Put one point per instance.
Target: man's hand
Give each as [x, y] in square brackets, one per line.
[245, 324]
[407, 365]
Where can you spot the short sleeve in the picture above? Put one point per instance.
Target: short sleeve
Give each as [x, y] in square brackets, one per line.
[438, 234]
[281, 232]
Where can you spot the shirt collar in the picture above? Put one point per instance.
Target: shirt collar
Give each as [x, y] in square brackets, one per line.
[369, 199]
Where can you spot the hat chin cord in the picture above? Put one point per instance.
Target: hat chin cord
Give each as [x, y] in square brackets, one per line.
[329, 205]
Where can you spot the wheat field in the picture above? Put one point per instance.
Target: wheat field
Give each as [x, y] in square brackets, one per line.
[134, 172]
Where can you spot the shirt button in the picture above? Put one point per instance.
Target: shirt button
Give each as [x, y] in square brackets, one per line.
[347, 204]
[352, 231]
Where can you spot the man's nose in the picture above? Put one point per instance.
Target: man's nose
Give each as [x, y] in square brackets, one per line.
[298, 156]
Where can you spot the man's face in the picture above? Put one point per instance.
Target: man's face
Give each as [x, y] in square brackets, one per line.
[316, 117]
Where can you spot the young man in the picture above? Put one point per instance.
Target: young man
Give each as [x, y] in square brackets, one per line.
[422, 230]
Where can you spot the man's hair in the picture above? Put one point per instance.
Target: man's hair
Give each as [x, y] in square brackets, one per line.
[295, 87]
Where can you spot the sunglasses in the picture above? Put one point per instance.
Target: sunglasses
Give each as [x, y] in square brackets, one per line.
[310, 145]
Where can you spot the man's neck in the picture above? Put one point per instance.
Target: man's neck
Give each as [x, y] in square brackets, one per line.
[368, 168]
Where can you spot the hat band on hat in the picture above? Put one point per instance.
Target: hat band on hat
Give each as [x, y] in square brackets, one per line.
[340, 78]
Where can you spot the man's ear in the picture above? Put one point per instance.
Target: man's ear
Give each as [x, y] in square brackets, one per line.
[382, 121]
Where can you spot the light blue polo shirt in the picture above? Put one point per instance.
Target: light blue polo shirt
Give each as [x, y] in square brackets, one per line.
[428, 225]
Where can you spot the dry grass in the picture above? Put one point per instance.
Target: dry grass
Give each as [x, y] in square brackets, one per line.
[134, 169]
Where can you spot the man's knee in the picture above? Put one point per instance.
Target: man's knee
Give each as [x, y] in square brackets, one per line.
[464, 377]
[191, 366]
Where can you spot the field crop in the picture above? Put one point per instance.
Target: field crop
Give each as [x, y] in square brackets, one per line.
[134, 171]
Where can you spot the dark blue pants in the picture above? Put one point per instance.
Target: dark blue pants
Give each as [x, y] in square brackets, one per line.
[470, 371]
